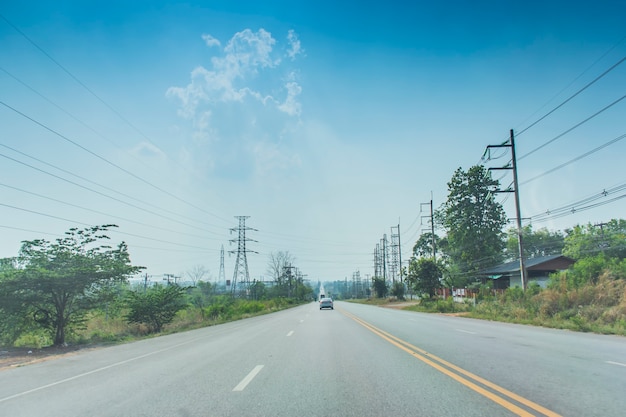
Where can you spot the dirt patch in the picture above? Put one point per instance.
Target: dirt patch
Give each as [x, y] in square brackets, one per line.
[13, 357]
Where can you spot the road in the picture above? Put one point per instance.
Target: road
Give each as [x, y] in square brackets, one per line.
[357, 360]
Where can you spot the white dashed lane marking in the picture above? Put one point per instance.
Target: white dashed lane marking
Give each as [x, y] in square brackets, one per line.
[244, 382]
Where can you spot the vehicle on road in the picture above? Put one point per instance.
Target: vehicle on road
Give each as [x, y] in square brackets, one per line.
[327, 303]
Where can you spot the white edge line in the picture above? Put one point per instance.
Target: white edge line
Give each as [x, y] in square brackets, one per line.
[465, 331]
[290, 333]
[113, 365]
[616, 363]
[244, 382]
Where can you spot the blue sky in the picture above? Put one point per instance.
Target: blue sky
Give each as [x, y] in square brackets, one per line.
[325, 122]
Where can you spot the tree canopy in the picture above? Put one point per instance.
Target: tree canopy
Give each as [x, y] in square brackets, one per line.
[56, 283]
[423, 248]
[541, 242]
[590, 240]
[155, 306]
[473, 220]
[425, 276]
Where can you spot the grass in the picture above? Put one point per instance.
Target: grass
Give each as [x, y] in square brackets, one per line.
[599, 307]
[102, 328]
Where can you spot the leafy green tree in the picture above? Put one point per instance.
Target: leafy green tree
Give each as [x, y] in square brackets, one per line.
[536, 243]
[13, 322]
[156, 306]
[380, 287]
[473, 220]
[397, 290]
[590, 240]
[425, 275]
[258, 290]
[423, 248]
[56, 283]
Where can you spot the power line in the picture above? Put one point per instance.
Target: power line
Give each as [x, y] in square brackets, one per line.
[88, 181]
[578, 158]
[124, 170]
[101, 212]
[573, 127]
[100, 193]
[581, 205]
[573, 95]
[72, 76]
[91, 225]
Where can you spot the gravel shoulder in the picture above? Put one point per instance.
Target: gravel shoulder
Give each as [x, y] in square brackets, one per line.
[14, 357]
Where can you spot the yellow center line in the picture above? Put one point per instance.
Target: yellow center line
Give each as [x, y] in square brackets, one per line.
[432, 360]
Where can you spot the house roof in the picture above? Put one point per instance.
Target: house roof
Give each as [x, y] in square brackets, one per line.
[540, 263]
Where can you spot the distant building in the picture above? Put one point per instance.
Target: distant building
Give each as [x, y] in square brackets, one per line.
[538, 271]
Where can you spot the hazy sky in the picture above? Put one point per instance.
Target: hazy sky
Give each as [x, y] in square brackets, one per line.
[326, 122]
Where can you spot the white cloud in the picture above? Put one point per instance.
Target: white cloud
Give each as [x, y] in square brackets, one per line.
[210, 40]
[248, 50]
[291, 105]
[295, 47]
[242, 98]
[148, 150]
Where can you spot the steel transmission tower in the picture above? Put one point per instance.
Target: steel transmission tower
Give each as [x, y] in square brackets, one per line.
[222, 277]
[394, 262]
[377, 263]
[241, 275]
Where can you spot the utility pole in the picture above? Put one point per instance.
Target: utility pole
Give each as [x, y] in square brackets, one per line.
[222, 275]
[145, 282]
[241, 273]
[515, 190]
[431, 219]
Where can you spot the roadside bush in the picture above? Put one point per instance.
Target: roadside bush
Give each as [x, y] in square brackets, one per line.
[156, 306]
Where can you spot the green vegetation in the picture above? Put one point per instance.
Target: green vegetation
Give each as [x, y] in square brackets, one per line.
[77, 290]
[474, 223]
[155, 306]
[425, 276]
[52, 285]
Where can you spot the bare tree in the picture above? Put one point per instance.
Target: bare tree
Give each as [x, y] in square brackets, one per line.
[197, 273]
[277, 263]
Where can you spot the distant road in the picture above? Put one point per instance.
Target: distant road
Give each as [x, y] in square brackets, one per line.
[354, 361]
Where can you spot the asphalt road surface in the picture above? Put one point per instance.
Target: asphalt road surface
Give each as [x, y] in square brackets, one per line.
[355, 360]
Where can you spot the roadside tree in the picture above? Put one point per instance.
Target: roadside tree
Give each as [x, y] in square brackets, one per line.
[57, 283]
[541, 242]
[591, 240]
[156, 306]
[473, 221]
[425, 275]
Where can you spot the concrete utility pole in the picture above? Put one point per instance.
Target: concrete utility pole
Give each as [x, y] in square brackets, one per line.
[222, 276]
[515, 190]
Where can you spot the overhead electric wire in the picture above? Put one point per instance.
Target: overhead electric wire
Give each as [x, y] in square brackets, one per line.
[101, 193]
[94, 183]
[103, 213]
[57, 63]
[100, 135]
[91, 225]
[107, 105]
[113, 164]
[573, 95]
[572, 128]
[581, 205]
[578, 158]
